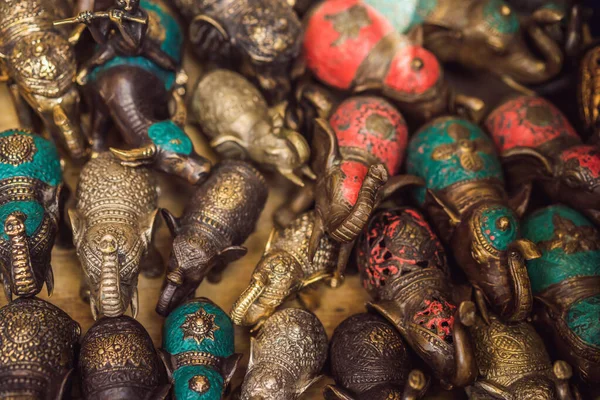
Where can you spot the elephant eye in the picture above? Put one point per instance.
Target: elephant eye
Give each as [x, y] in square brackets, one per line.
[572, 181]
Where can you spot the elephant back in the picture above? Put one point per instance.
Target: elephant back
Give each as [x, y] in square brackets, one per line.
[450, 151]
[44, 337]
[118, 353]
[164, 29]
[226, 103]
[199, 335]
[530, 121]
[230, 201]
[404, 15]
[379, 355]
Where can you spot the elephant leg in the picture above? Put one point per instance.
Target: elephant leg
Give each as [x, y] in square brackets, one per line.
[309, 298]
[300, 202]
[344, 255]
[216, 273]
[152, 265]
[99, 131]
[84, 291]
[482, 305]
[23, 110]
[64, 237]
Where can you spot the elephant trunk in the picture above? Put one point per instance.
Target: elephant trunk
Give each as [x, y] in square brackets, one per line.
[351, 226]
[466, 367]
[23, 278]
[247, 298]
[110, 291]
[518, 252]
[74, 140]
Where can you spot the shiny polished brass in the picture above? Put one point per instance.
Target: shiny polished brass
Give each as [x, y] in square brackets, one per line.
[235, 116]
[113, 223]
[286, 356]
[37, 350]
[284, 270]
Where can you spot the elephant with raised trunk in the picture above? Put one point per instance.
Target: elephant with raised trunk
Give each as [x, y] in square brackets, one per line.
[40, 65]
[113, 223]
[134, 93]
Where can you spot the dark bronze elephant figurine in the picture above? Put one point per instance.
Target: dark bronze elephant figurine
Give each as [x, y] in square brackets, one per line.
[217, 220]
[465, 197]
[134, 93]
[537, 142]
[357, 158]
[259, 38]
[403, 265]
[377, 367]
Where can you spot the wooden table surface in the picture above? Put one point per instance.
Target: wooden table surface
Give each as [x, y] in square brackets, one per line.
[336, 304]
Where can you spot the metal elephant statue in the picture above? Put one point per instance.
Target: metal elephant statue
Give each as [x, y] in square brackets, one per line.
[286, 356]
[118, 362]
[465, 198]
[357, 158]
[403, 266]
[37, 350]
[198, 339]
[588, 94]
[31, 189]
[284, 270]
[235, 116]
[259, 38]
[537, 142]
[217, 220]
[514, 365]
[377, 367]
[40, 65]
[350, 46]
[113, 223]
[134, 91]
[566, 285]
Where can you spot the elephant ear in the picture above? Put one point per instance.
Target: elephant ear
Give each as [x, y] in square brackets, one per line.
[229, 366]
[148, 225]
[171, 220]
[209, 37]
[524, 164]
[64, 383]
[231, 254]
[519, 200]
[325, 148]
[76, 224]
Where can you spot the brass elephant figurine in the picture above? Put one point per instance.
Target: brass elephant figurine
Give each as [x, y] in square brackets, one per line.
[234, 115]
[284, 270]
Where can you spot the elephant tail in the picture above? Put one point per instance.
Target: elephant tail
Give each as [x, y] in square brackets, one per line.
[110, 291]
[22, 270]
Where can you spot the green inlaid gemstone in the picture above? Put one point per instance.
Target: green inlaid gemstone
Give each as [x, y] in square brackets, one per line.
[584, 319]
[33, 211]
[404, 15]
[170, 137]
[499, 226]
[568, 242]
[500, 17]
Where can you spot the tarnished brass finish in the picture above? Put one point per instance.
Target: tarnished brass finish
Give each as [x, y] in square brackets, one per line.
[235, 117]
[589, 91]
[285, 357]
[217, 220]
[41, 66]
[513, 364]
[369, 361]
[259, 38]
[113, 222]
[403, 266]
[284, 270]
[37, 350]
[118, 361]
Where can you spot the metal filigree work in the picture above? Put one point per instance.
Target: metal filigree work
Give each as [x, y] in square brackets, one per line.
[348, 23]
[16, 149]
[465, 149]
[199, 326]
[571, 238]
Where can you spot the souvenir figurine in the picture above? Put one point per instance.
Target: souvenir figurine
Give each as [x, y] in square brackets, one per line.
[259, 38]
[285, 357]
[118, 361]
[355, 153]
[513, 364]
[37, 350]
[588, 93]
[350, 46]
[198, 335]
[284, 270]
[235, 116]
[376, 368]
[113, 223]
[566, 284]
[403, 266]
[131, 85]
[40, 65]
[466, 199]
[217, 220]
[538, 143]
[30, 213]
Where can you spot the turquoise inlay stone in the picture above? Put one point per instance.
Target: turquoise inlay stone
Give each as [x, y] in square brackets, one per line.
[563, 235]
[29, 155]
[584, 319]
[405, 14]
[168, 28]
[490, 223]
[200, 326]
[34, 212]
[170, 137]
[451, 150]
[492, 15]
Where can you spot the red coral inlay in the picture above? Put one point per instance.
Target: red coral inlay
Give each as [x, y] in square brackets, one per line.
[437, 317]
[413, 71]
[527, 121]
[587, 156]
[355, 173]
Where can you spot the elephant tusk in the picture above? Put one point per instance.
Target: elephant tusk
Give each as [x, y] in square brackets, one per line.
[180, 112]
[305, 169]
[138, 156]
